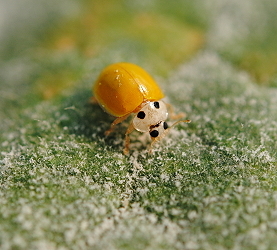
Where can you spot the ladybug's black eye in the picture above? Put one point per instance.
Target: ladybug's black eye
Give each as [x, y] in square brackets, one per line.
[154, 133]
[141, 115]
[165, 125]
[156, 105]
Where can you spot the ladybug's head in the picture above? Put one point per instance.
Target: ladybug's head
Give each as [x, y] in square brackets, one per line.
[151, 118]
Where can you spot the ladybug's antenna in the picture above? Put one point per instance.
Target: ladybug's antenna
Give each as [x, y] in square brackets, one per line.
[175, 123]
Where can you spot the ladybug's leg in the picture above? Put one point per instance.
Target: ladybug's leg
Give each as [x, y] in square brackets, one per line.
[154, 141]
[115, 122]
[127, 138]
[172, 114]
[157, 139]
[93, 100]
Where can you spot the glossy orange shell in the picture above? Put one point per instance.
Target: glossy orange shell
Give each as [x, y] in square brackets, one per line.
[122, 87]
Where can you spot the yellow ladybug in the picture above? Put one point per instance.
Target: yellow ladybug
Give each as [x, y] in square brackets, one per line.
[125, 88]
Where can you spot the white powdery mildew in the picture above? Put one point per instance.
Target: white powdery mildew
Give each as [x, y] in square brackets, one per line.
[65, 205]
[133, 226]
[204, 80]
[221, 93]
[262, 155]
[234, 21]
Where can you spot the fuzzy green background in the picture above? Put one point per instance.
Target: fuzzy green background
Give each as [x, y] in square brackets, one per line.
[210, 184]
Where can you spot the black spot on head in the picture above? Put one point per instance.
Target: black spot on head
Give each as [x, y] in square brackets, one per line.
[154, 133]
[156, 105]
[141, 115]
[165, 125]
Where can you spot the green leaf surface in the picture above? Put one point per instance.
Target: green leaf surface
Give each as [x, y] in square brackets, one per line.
[210, 184]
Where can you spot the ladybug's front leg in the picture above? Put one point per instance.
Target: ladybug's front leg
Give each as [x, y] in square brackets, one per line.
[115, 122]
[127, 139]
[172, 114]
